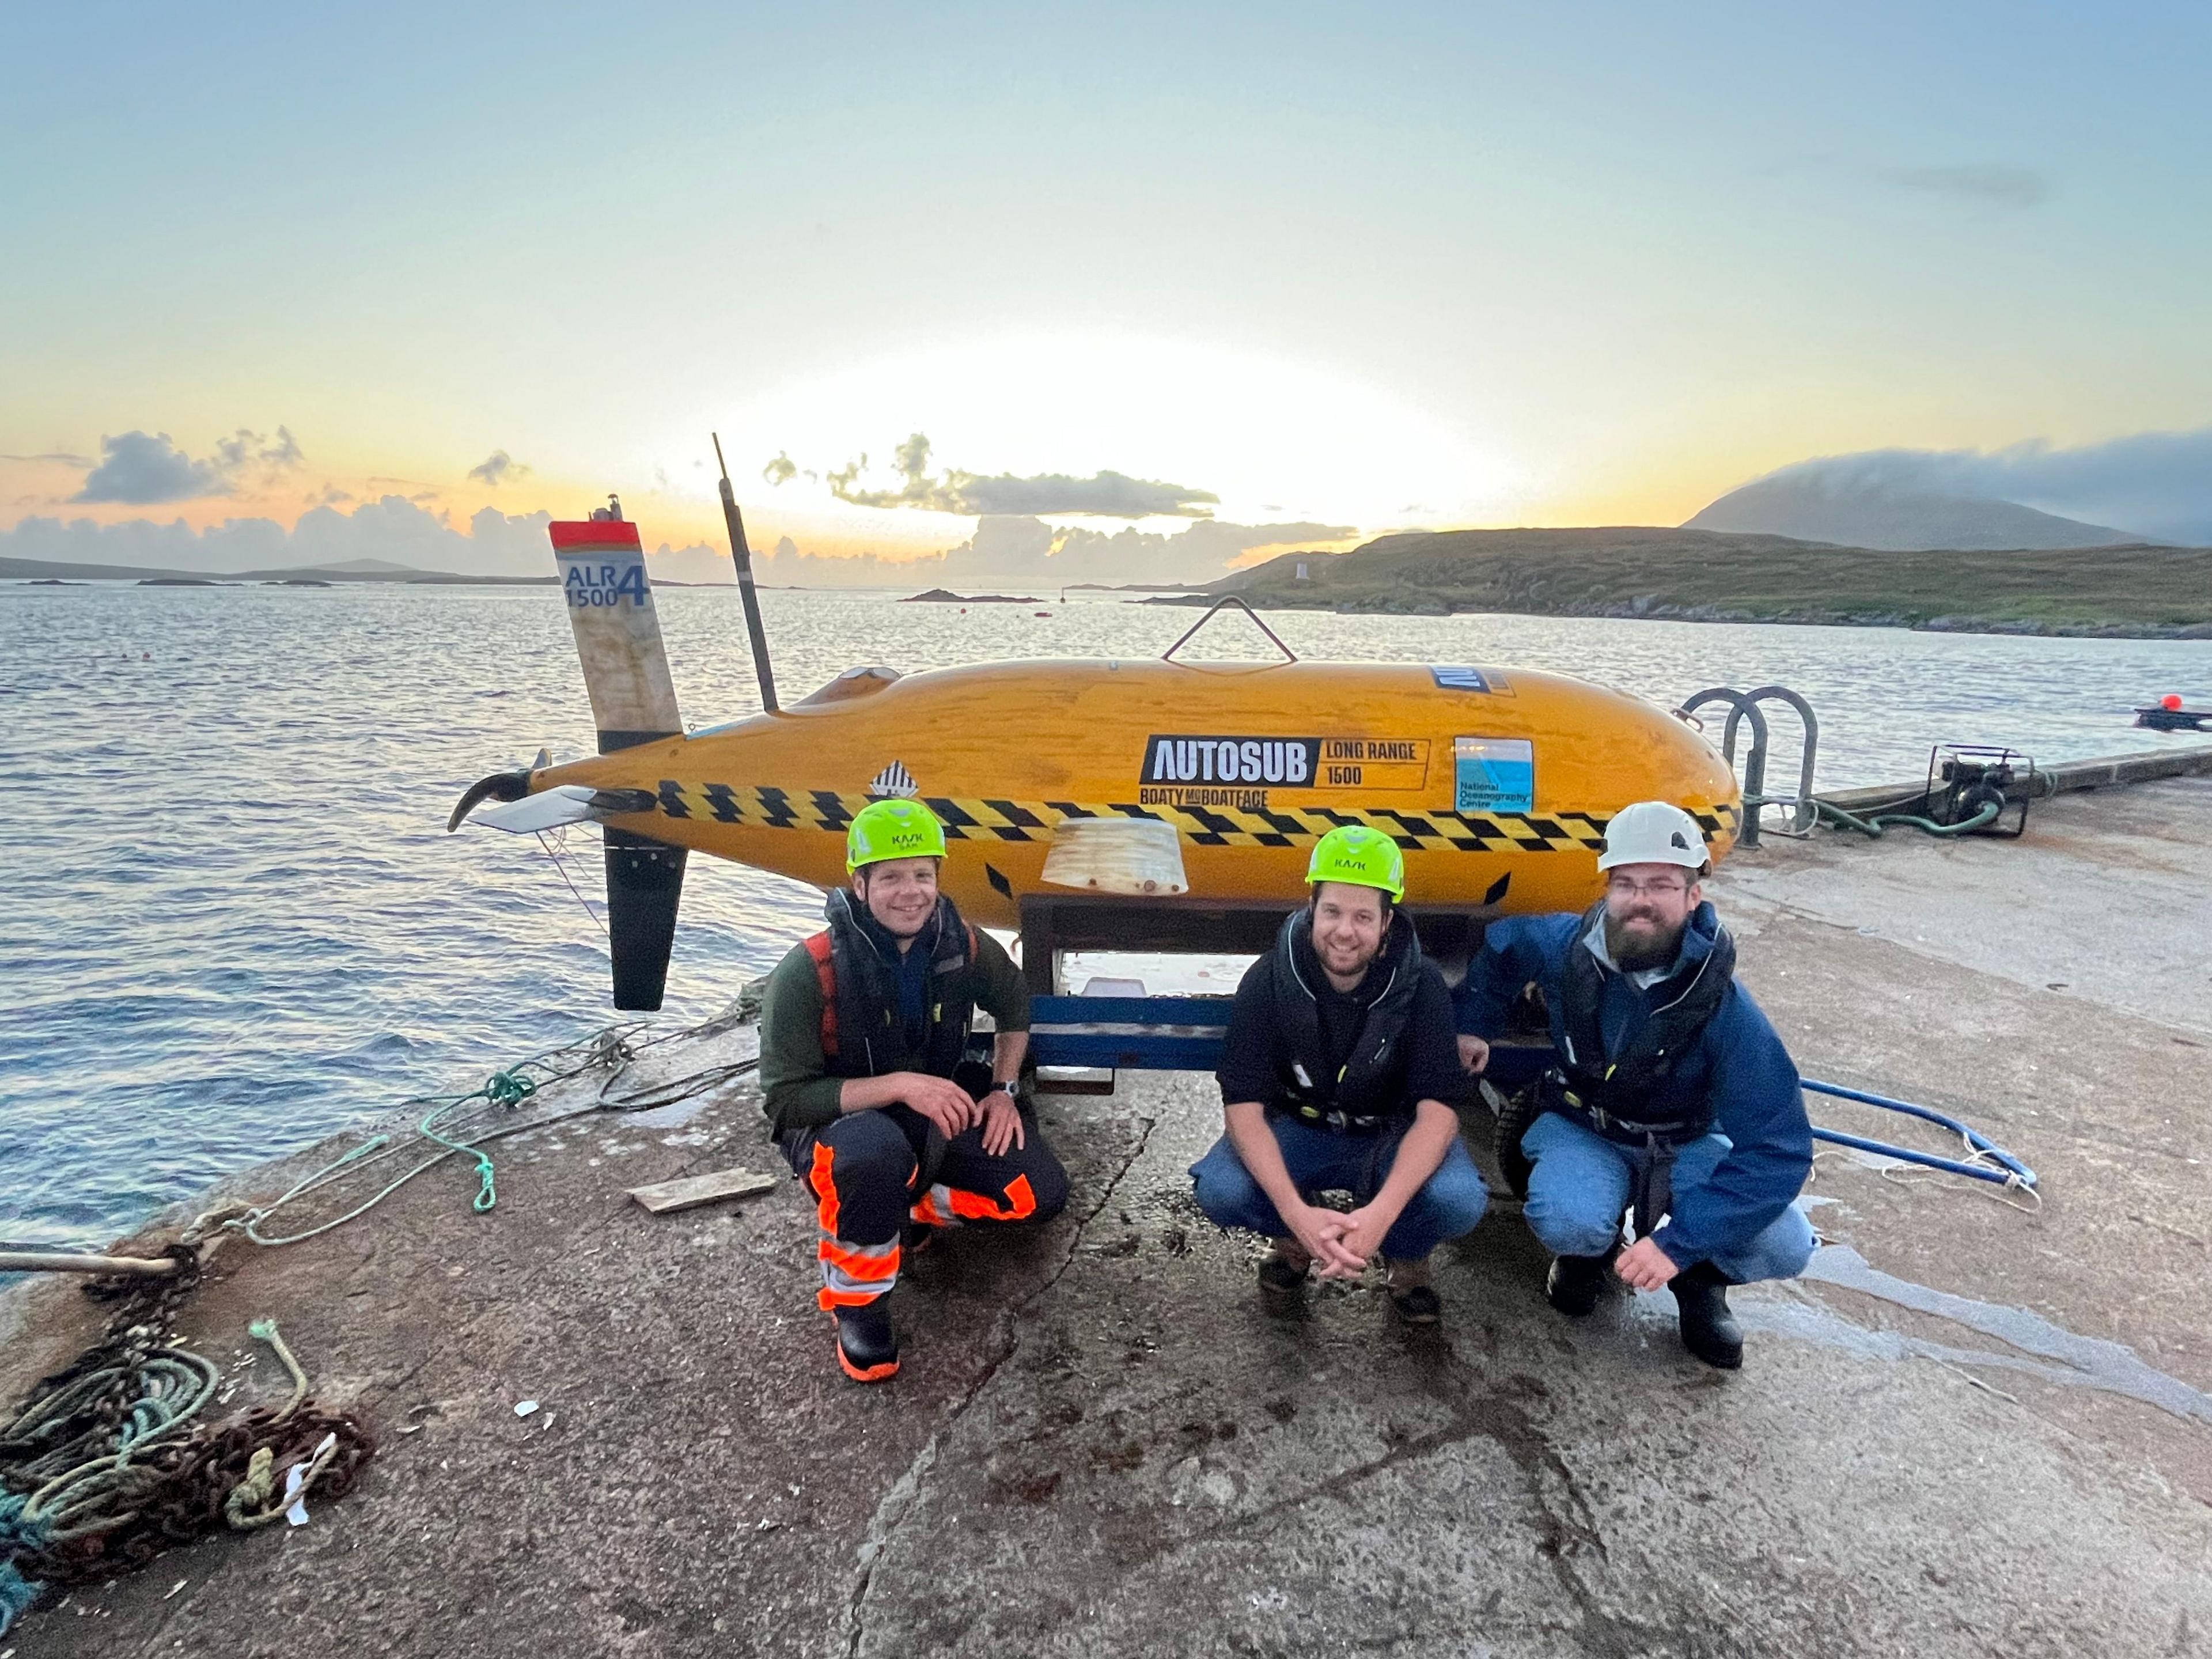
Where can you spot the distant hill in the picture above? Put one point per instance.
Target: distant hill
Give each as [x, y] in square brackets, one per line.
[368, 567]
[350, 570]
[1702, 576]
[1825, 508]
[56, 570]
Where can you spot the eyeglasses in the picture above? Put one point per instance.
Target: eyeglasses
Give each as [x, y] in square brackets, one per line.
[1628, 889]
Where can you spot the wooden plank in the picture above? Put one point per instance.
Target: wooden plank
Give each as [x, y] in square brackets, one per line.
[666, 1196]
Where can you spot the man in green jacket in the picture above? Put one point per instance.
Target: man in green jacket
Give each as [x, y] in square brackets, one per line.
[864, 1034]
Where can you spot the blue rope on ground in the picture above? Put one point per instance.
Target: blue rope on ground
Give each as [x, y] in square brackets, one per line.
[17, 1537]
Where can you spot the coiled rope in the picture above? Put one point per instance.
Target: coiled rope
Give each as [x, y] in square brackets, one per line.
[111, 1461]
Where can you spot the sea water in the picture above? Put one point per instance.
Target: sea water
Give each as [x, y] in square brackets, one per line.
[234, 922]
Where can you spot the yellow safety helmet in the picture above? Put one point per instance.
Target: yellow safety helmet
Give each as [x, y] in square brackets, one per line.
[893, 830]
[1363, 856]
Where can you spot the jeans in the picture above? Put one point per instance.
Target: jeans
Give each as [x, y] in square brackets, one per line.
[1580, 1185]
[1449, 1202]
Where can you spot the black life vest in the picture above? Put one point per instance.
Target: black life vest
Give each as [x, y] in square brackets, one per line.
[1628, 1094]
[1367, 1090]
[864, 1032]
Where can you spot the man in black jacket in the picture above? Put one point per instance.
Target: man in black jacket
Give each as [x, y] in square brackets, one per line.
[1335, 1074]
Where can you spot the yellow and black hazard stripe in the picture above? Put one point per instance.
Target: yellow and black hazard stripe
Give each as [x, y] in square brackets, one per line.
[988, 820]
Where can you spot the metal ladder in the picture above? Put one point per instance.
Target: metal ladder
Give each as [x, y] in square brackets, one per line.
[1744, 710]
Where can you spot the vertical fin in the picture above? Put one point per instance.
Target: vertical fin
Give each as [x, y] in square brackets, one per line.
[618, 629]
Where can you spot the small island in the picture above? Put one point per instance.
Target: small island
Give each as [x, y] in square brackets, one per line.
[946, 596]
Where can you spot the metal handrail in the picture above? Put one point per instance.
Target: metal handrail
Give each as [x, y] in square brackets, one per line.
[1804, 813]
[1754, 764]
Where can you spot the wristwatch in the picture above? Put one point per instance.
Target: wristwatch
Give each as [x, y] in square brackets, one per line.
[1011, 1091]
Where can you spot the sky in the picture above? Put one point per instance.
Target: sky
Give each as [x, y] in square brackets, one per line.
[1331, 270]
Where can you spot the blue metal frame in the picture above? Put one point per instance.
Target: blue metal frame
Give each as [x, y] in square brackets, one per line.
[1184, 1034]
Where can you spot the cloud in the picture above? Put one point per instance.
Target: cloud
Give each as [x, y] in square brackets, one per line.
[2158, 484]
[244, 450]
[1050, 494]
[498, 468]
[1984, 183]
[60, 457]
[1106, 495]
[139, 469]
[493, 544]
[781, 470]
[143, 470]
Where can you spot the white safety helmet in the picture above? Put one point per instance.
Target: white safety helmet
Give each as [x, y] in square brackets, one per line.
[1654, 832]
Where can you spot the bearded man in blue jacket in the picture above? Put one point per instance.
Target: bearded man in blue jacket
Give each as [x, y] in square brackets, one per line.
[1670, 1089]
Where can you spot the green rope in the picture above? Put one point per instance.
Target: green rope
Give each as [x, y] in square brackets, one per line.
[249, 1504]
[463, 1125]
[265, 1330]
[499, 1094]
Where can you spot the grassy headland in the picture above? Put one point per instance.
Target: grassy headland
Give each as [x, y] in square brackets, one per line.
[1711, 576]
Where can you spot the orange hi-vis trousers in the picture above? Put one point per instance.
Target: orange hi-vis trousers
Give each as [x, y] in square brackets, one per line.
[864, 1172]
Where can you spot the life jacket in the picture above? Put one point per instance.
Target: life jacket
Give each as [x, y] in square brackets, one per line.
[1633, 1094]
[1367, 1090]
[864, 1031]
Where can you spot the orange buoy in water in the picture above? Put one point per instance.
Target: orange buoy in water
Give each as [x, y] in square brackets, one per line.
[2171, 700]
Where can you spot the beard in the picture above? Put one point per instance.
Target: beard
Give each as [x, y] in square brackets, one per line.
[1649, 945]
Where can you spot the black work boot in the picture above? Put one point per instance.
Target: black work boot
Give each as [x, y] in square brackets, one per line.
[867, 1347]
[1412, 1296]
[1574, 1282]
[1708, 1329]
[1282, 1276]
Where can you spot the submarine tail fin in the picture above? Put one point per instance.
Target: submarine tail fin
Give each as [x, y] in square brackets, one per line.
[618, 629]
[645, 880]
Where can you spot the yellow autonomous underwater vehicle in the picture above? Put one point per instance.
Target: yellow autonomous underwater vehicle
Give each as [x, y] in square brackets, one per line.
[1182, 791]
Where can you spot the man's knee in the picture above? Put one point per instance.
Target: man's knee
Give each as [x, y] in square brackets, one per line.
[1048, 1179]
[1225, 1188]
[867, 1146]
[1781, 1250]
[1453, 1201]
[1569, 1221]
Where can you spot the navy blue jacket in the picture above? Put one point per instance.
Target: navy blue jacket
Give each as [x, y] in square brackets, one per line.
[1739, 1067]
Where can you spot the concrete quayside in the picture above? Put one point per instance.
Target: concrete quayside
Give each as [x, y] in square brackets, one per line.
[1974, 1428]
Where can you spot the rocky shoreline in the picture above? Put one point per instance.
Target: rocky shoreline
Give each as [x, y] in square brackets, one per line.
[1648, 609]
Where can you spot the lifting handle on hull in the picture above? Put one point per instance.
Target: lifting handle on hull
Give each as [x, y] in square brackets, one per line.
[1215, 610]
